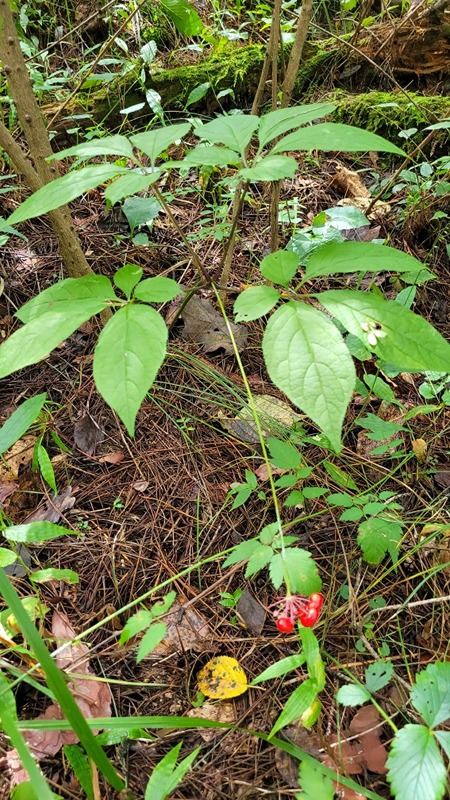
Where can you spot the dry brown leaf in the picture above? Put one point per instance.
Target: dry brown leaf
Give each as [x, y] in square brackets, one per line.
[186, 630]
[251, 612]
[19, 455]
[204, 325]
[92, 696]
[51, 510]
[218, 712]
[87, 434]
[344, 756]
[263, 473]
[366, 725]
[140, 486]
[111, 458]
[7, 488]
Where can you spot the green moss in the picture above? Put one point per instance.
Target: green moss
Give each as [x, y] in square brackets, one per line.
[388, 113]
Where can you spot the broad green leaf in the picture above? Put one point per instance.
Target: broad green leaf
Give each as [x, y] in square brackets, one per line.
[313, 784]
[255, 302]
[280, 267]
[66, 295]
[36, 340]
[211, 155]
[378, 536]
[443, 738]
[39, 531]
[270, 168]
[379, 388]
[62, 190]
[334, 136]
[198, 93]
[410, 341]
[307, 359]
[50, 574]
[279, 669]
[79, 762]
[233, 131]
[128, 355]
[7, 557]
[148, 51]
[343, 257]
[135, 624]
[157, 290]
[352, 695]
[46, 467]
[130, 184]
[339, 475]
[415, 765]
[106, 146]
[127, 277]
[156, 140]
[258, 560]
[299, 568]
[183, 16]
[378, 675]
[151, 639]
[310, 647]
[166, 776]
[140, 211]
[283, 454]
[430, 695]
[296, 705]
[20, 420]
[242, 552]
[163, 606]
[285, 119]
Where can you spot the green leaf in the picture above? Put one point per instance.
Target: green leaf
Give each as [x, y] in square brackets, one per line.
[7, 557]
[430, 695]
[410, 341]
[285, 119]
[197, 93]
[343, 257]
[313, 784]
[258, 560]
[127, 277]
[415, 765]
[378, 675]
[296, 705]
[106, 146]
[157, 290]
[280, 267]
[339, 475]
[255, 302]
[140, 211]
[137, 336]
[378, 536]
[307, 359]
[279, 669]
[135, 624]
[379, 388]
[163, 606]
[310, 647]
[36, 340]
[130, 184]
[68, 295]
[148, 51]
[183, 16]
[20, 420]
[352, 695]
[233, 131]
[242, 552]
[79, 762]
[299, 568]
[155, 141]
[151, 639]
[166, 777]
[283, 454]
[211, 155]
[443, 738]
[39, 531]
[62, 190]
[46, 467]
[270, 168]
[334, 136]
[50, 574]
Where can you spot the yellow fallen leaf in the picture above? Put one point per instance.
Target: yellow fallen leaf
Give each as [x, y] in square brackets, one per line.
[222, 678]
[419, 447]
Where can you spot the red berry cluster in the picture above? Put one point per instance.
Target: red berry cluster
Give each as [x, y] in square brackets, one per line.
[307, 612]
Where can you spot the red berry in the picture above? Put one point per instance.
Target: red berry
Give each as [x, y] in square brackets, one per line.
[308, 616]
[315, 600]
[285, 625]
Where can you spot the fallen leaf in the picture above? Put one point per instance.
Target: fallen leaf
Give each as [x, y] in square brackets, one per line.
[186, 630]
[343, 756]
[51, 510]
[204, 325]
[140, 486]
[349, 182]
[273, 414]
[93, 698]
[262, 473]
[366, 726]
[7, 488]
[111, 458]
[251, 612]
[87, 434]
[218, 712]
[419, 448]
[222, 678]
[19, 455]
